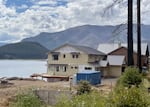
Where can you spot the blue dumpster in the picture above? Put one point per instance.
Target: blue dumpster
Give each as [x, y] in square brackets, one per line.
[93, 77]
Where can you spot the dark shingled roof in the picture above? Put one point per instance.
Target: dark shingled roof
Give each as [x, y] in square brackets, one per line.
[88, 50]
[85, 49]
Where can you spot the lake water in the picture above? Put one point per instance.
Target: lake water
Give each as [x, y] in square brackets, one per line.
[21, 68]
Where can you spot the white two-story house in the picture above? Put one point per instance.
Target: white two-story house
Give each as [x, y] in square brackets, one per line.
[68, 59]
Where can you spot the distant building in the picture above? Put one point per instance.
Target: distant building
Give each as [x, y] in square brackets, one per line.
[69, 59]
[111, 59]
[121, 49]
[113, 66]
[109, 47]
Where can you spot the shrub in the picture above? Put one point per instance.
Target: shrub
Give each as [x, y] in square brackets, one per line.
[83, 87]
[93, 99]
[124, 97]
[130, 77]
[148, 78]
[26, 100]
[144, 74]
[129, 97]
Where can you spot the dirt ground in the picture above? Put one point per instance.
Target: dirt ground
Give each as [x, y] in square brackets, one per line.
[7, 92]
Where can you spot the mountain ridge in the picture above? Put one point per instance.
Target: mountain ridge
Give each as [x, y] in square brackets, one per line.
[88, 35]
[71, 35]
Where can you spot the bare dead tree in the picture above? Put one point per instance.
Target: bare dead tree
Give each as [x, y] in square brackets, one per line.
[119, 28]
[109, 7]
[130, 28]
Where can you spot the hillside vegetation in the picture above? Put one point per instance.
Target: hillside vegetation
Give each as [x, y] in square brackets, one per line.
[23, 50]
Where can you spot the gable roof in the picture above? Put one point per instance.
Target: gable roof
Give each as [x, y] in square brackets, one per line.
[84, 49]
[109, 47]
[115, 60]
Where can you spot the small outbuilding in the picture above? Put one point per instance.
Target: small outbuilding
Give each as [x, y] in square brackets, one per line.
[116, 65]
[113, 67]
[93, 77]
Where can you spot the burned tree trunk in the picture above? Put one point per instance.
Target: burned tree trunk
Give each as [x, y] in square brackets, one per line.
[130, 33]
[139, 35]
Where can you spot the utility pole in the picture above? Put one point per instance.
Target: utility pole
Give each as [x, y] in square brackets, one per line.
[139, 35]
[130, 33]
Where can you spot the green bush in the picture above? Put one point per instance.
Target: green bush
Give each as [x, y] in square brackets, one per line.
[93, 99]
[83, 87]
[128, 93]
[144, 74]
[123, 97]
[129, 97]
[148, 78]
[130, 77]
[26, 100]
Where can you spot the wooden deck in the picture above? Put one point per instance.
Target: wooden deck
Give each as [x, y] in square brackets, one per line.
[51, 78]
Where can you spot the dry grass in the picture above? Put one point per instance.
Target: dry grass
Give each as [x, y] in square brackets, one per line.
[8, 92]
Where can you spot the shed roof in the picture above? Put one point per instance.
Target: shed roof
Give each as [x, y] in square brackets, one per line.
[116, 60]
[109, 47]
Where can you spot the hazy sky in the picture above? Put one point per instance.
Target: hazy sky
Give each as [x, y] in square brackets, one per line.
[25, 18]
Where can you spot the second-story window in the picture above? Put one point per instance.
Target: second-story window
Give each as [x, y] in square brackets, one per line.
[75, 55]
[55, 57]
[64, 56]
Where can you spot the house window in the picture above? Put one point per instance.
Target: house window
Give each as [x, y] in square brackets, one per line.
[64, 56]
[55, 57]
[64, 68]
[88, 68]
[76, 67]
[75, 55]
[57, 68]
[104, 58]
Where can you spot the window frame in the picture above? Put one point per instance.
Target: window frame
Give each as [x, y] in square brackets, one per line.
[55, 57]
